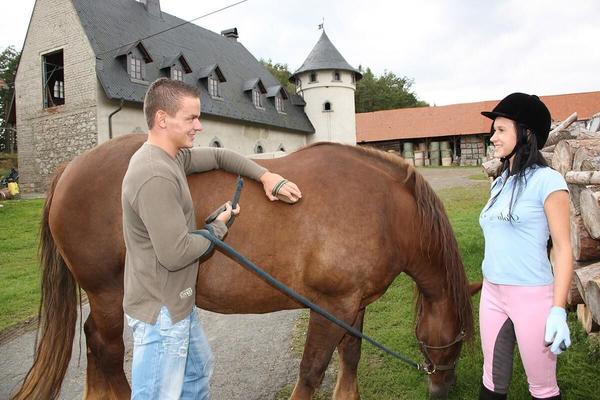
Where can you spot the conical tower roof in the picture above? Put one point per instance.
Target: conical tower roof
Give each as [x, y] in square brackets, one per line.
[325, 56]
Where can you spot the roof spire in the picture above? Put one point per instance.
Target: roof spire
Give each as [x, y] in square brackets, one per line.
[322, 24]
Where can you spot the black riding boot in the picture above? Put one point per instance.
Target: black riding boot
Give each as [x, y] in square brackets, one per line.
[487, 394]
[557, 397]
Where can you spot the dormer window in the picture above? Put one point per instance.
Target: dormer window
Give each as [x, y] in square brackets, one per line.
[257, 90]
[176, 73]
[353, 78]
[278, 94]
[336, 76]
[212, 77]
[175, 67]
[137, 58]
[256, 98]
[327, 106]
[213, 86]
[313, 77]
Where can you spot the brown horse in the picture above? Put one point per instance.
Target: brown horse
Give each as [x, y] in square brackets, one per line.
[365, 217]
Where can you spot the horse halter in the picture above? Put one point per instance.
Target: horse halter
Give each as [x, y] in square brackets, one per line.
[429, 367]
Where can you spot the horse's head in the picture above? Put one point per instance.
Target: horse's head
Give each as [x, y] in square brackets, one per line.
[440, 337]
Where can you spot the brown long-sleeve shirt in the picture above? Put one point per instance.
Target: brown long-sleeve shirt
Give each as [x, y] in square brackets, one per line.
[161, 263]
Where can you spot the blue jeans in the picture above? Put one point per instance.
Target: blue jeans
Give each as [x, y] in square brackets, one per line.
[170, 361]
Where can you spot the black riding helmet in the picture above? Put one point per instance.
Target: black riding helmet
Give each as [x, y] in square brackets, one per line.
[527, 109]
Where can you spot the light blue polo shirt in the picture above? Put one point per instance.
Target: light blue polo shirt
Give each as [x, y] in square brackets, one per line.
[516, 254]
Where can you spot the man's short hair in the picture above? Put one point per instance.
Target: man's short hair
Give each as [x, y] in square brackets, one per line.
[165, 94]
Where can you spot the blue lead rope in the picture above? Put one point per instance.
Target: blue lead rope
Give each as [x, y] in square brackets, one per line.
[285, 289]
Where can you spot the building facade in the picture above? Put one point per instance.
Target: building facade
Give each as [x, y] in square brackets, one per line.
[86, 66]
[458, 129]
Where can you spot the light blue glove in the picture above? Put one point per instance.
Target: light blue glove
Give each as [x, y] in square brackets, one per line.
[557, 330]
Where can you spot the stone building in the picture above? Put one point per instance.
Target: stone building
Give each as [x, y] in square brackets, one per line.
[461, 126]
[86, 65]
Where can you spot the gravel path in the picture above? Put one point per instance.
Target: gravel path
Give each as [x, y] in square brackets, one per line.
[253, 358]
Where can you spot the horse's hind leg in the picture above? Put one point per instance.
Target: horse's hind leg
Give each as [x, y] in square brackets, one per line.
[346, 387]
[105, 349]
[321, 339]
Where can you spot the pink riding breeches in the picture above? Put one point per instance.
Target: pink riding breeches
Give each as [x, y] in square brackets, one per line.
[509, 314]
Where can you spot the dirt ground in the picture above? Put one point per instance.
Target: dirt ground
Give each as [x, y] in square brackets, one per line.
[253, 357]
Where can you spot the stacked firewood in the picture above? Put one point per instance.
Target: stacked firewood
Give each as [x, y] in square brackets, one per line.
[575, 152]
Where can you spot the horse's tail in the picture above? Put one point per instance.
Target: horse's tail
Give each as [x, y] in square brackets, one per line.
[57, 316]
[435, 226]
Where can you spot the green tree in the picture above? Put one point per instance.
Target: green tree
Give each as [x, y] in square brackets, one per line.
[385, 92]
[9, 59]
[281, 73]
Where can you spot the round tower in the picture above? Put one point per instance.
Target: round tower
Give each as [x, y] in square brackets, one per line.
[327, 84]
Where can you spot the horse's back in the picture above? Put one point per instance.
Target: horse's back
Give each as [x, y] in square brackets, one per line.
[339, 240]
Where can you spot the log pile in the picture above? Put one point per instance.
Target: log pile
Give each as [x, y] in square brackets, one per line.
[575, 153]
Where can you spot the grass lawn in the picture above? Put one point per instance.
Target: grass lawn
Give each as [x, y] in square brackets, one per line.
[390, 321]
[19, 266]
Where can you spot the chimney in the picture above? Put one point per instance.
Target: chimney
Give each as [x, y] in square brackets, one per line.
[152, 6]
[231, 34]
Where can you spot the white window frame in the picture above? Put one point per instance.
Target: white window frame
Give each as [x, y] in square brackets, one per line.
[136, 67]
[176, 73]
[257, 98]
[213, 86]
[279, 105]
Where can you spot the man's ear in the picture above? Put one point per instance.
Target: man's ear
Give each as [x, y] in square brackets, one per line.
[160, 119]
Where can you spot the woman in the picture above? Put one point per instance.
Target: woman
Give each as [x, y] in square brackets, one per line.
[523, 298]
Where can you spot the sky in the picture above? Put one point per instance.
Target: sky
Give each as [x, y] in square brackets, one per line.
[454, 51]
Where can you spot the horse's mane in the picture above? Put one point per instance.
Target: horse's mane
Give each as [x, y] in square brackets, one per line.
[436, 232]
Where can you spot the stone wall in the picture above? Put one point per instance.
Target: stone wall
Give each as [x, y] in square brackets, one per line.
[472, 151]
[50, 136]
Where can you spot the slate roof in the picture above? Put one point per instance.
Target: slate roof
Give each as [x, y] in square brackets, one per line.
[111, 25]
[325, 56]
[459, 119]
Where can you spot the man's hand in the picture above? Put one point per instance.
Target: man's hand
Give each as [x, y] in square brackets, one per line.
[289, 190]
[226, 215]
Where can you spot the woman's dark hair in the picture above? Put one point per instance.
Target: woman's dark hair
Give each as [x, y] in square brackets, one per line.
[527, 156]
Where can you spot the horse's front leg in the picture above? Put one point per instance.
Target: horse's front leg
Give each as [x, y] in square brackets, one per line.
[346, 387]
[321, 340]
[105, 378]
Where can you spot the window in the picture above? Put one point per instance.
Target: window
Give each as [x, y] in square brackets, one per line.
[336, 76]
[59, 90]
[281, 147]
[213, 86]
[136, 67]
[279, 104]
[327, 106]
[258, 149]
[54, 79]
[256, 98]
[176, 73]
[353, 78]
[313, 77]
[216, 143]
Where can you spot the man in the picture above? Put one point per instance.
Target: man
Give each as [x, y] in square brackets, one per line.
[171, 356]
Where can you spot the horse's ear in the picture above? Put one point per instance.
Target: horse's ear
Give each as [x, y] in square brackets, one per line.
[475, 287]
